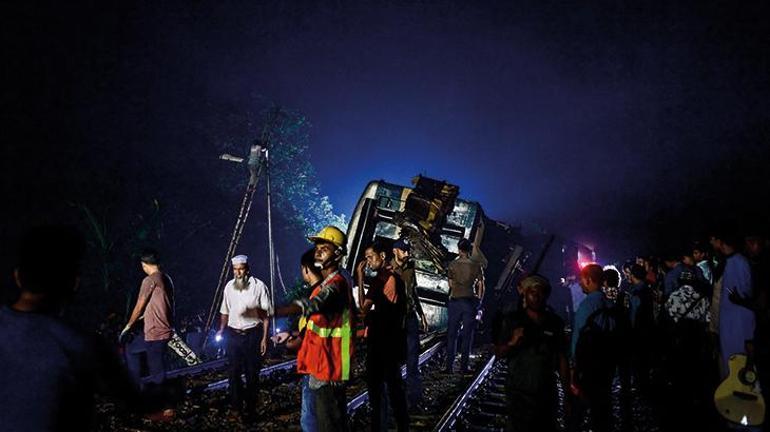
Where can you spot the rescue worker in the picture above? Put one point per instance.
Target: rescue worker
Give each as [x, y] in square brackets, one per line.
[312, 277]
[384, 306]
[466, 288]
[415, 318]
[327, 348]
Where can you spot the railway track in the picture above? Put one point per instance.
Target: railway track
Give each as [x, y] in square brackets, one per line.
[191, 371]
[286, 415]
[481, 407]
[265, 372]
[440, 390]
[268, 371]
[363, 398]
[218, 365]
[205, 404]
[471, 402]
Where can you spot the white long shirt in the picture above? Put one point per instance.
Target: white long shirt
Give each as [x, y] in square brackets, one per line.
[241, 306]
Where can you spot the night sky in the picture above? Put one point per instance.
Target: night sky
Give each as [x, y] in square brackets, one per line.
[621, 125]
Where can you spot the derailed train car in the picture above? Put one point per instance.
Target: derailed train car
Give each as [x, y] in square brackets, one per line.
[433, 218]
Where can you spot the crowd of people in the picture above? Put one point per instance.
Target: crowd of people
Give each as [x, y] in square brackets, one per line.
[659, 332]
[384, 310]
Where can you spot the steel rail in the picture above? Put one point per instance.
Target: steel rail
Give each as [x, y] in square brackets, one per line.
[449, 419]
[363, 397]
[265, 371]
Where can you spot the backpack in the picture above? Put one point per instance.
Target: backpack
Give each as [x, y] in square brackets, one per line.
[598, 346]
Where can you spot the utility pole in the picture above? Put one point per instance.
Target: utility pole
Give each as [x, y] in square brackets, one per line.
[270, 237]
[257, 161]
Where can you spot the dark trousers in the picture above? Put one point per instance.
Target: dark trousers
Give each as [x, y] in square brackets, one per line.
[626, 398]
[686, 401]
[331, 408]
[642, 360]
[383, 369]
[153, 352]
[529, 411]
[413, 382]
[462, 310]
[243, 358]
[596, 386]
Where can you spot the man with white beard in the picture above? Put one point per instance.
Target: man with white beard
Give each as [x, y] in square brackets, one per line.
[245, 305]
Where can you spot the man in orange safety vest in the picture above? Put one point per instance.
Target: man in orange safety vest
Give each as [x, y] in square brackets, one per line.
[327, 348]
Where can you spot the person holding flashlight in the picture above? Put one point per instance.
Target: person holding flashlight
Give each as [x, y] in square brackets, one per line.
[245, 306]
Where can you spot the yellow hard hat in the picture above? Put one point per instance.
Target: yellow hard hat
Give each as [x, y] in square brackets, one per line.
[332, 235]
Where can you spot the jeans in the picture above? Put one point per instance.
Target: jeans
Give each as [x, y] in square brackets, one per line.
[153, 351]
[460, 310]
[243, 358]
[413, 383]
[331, 408]
[307, 417]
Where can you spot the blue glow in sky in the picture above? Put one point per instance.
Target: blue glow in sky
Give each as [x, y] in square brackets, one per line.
[602, 121]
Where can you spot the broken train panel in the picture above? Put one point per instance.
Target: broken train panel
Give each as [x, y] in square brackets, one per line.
[434, 219]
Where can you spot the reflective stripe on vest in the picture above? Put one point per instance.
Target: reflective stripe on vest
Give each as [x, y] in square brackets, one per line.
[344, 332]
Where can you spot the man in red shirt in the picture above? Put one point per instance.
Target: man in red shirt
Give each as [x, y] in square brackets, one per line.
[385, 307]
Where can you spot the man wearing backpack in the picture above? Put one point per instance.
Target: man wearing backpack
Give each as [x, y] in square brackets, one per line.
[593, 349]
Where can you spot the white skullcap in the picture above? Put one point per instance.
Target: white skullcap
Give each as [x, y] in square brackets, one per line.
[240, 259]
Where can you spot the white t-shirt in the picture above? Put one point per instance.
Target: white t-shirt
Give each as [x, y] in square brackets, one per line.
[241, 306]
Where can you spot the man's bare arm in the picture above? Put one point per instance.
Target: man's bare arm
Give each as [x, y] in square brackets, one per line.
[360, 282]
[265, 329]
[223, 321]
[289, 309]
[141, 304]
[480, 288]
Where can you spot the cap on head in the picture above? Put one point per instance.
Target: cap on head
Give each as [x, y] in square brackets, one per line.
[402, 244]
[536, 281]
[330, 234]
[239, 259]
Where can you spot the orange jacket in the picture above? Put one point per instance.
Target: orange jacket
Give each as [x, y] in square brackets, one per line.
[328, 345]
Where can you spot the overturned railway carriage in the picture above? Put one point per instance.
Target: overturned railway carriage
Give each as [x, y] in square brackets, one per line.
[434, 219]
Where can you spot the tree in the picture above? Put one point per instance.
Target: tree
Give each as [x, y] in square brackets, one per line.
[295, 185]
